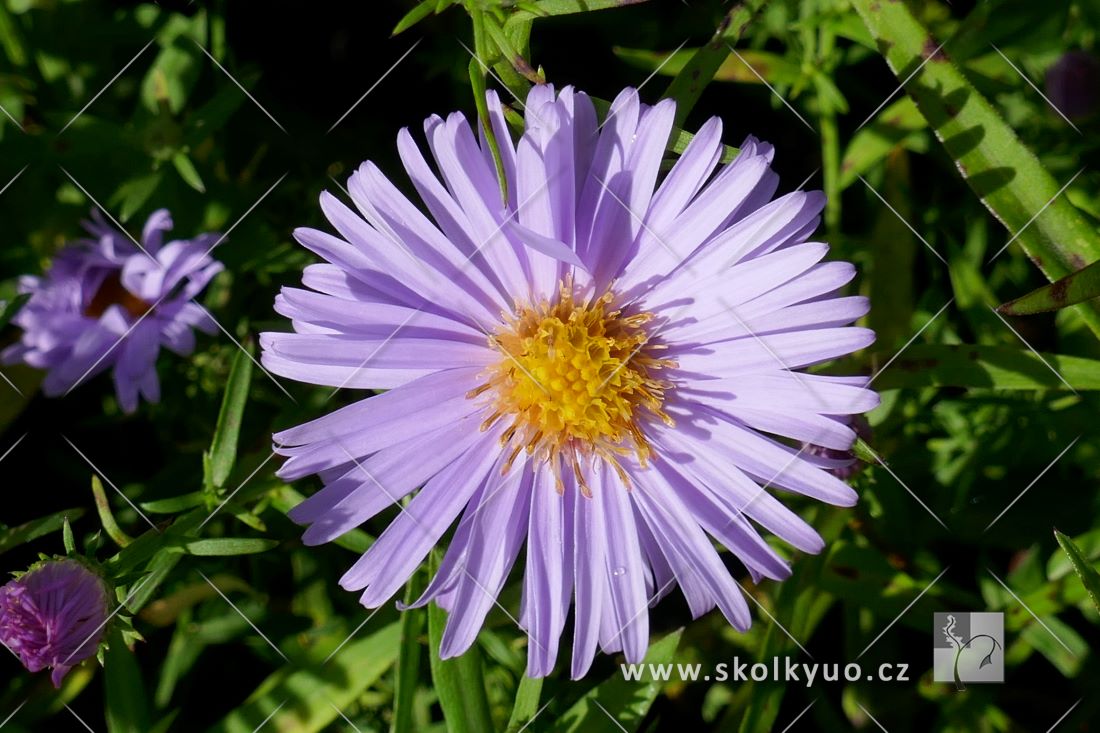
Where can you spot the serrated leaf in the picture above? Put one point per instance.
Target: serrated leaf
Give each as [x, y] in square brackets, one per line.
[987, 367]
[226, 546]
[1004, 174]
[1072, 289]
[618, 704]
[223, 449]
[1088, 574]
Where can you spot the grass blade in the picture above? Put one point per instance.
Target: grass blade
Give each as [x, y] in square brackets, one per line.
[1089, 576]
[1005, 175]
[1076, 288]
[223, 450]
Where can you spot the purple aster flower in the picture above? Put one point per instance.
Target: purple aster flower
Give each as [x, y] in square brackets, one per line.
[106, 303]
[604, 367]
[54, 616]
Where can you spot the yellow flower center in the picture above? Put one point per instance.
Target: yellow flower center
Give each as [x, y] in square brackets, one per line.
[576, 380]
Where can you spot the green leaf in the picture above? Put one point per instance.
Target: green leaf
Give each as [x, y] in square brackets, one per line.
[547, 8]
[459, 682]
[226, 546]
[898, 125]
[527, 704]
[355, 540]
[133, 194]
[704, 64]
[422, 10]
[223, 450]
[307, 699]
[173, 505]
[993, 367]
[1072, 289]
[1005, 175]
[627, 701]
[407, 671]
[15, 536]
[188, 172]
[127, 707]
[1090, 578]
[106, 517]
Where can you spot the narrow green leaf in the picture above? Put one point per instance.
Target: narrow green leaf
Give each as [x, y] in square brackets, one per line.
[223, 450]
[407, 672]
[67, 538]
[459, 682]
[127, 707]
[547, 8]
[1088, 574]
[527, 704]
[693, 78]
[188, 172]
[308, 699]
[173, 505]
[1072, 289]
[992, 367]
[106, 517]
[32, 530]
[223, 547]
[627, 701]
[900, 125]
[414, 16]
[133, 194]
[1005, 175]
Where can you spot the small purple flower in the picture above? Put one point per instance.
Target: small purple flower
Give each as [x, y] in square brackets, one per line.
[1073, 84]
[106, 303]
[606, 368]
[54, 616]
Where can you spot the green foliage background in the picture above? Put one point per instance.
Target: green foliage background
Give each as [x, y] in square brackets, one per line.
[224, 113]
